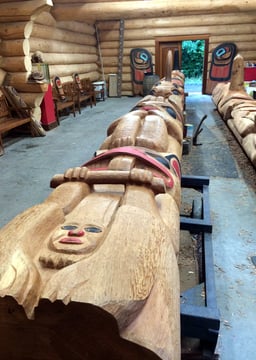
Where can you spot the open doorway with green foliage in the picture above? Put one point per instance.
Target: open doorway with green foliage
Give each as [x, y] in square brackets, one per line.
[194, 49]
[193, 52]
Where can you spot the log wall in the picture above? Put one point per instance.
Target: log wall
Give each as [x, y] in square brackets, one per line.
[70, 46]
[67, 47]
[15, 52]
[229, 27]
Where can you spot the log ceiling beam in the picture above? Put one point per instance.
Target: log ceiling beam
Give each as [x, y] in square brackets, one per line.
[23, 10]
[150, 9]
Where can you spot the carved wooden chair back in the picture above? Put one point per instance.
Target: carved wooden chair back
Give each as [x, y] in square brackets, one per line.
[78, 84]
[57, 84]
[89, 88]
[82, 95]
[63, 97]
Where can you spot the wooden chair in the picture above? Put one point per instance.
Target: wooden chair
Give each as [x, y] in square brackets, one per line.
[63, 97]
[82, 96]
[8, 121]
[89, 88]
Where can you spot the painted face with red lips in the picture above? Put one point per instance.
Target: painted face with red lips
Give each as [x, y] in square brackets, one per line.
[86, 226]
[76, 238]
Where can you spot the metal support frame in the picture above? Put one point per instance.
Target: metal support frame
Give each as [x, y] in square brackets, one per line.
[201, 184]
[201, 321]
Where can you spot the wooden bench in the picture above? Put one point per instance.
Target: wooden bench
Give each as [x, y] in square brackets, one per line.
[7, 121]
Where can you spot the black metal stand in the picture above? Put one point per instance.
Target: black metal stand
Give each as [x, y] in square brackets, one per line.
[200, 319]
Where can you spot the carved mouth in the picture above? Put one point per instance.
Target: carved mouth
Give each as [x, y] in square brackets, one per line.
[71, 240]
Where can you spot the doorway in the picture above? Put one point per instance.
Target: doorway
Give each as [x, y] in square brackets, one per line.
[192, 64]
[173, 43]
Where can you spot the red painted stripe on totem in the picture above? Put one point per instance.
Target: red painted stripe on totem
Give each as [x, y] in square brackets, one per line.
[128, 150]
[148, 108]
[176, 166]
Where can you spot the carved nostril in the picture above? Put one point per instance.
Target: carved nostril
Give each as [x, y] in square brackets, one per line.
[76, 232]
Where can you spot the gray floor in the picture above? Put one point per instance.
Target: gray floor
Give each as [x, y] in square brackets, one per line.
[233, 213]
[29, 163]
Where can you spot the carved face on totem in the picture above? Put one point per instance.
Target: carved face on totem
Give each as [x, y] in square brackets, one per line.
[82, 232]
[77, 237]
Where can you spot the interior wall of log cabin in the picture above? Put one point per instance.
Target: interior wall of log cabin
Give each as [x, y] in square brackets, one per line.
[227, 27]
[68, 47]
[71, 46]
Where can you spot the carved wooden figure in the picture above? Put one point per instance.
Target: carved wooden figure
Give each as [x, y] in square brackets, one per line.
[238, 109]
[103, 243]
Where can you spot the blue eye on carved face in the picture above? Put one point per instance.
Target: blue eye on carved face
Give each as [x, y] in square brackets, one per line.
[93, 229]
[69, 227]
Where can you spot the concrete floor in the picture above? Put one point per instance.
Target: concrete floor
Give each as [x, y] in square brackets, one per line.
[29, 163]
[233, 212]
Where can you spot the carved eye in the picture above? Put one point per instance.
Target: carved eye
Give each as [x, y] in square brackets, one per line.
[93, 229]
[69, 227]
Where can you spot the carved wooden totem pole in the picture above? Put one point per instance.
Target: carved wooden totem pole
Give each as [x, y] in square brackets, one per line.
[91, 273]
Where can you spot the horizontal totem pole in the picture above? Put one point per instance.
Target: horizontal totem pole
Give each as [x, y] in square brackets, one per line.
[238, 109]
[91, 273]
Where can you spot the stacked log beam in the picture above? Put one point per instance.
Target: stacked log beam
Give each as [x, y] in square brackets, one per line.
[15, 30]
[16, 65]
[23, 10]
[238, 109]
[114, 10]
[67, 47]
[14, 55]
